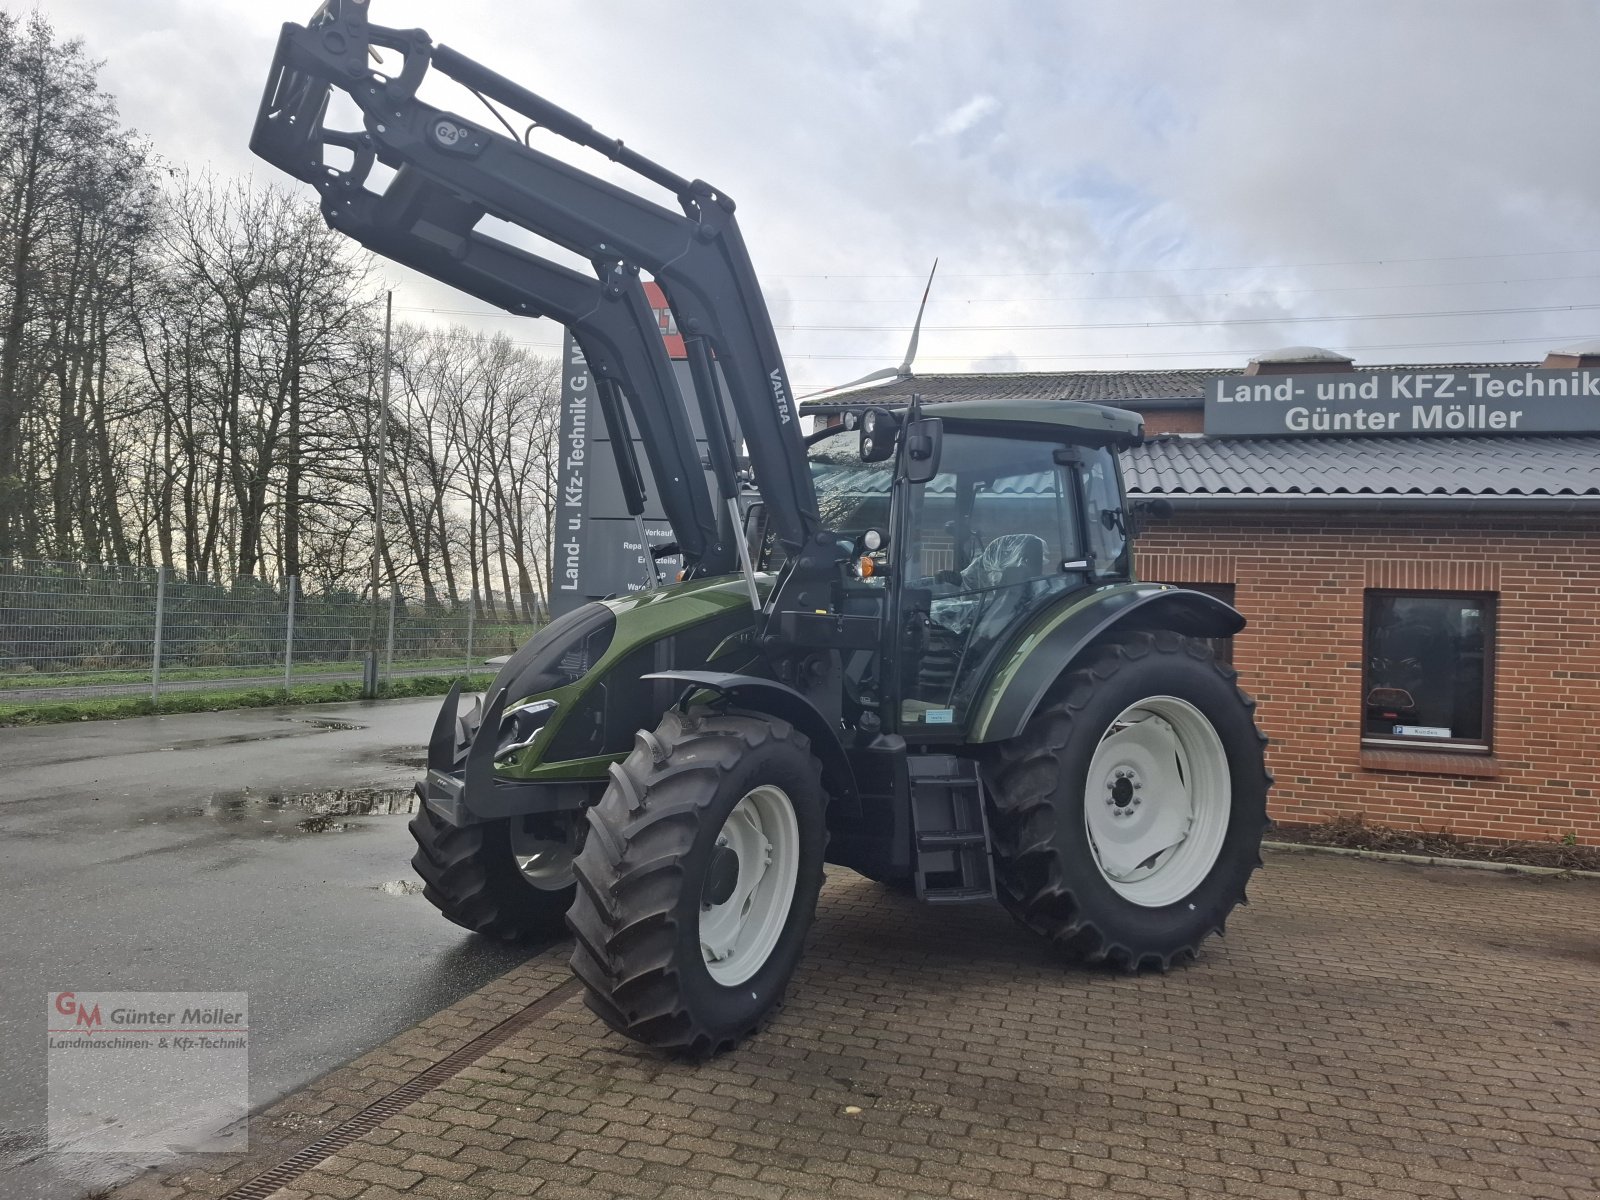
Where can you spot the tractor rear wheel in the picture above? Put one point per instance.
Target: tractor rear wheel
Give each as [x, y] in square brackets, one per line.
[1127, 817]
[699, 879]
[509, 879]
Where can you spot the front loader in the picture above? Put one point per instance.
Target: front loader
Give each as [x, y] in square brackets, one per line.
[911, 643]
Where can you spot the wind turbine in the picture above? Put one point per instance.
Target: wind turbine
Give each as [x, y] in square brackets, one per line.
[894, 374]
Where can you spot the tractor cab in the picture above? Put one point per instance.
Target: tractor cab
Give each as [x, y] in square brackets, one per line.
[1019, 504]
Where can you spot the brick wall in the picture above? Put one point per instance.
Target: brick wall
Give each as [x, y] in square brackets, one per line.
[1172, 420]
[1300, 581]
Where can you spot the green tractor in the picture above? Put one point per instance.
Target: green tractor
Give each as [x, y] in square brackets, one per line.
[910, 643]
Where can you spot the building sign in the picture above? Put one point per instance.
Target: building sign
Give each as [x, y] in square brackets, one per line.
[664, 318]
[1467, 400]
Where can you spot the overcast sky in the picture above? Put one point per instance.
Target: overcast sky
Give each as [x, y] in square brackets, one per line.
[1134, 163]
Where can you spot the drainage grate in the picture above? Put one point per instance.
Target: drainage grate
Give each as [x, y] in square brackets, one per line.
[379, 1111]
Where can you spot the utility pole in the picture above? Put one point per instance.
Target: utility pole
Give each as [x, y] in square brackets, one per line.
[369, 686]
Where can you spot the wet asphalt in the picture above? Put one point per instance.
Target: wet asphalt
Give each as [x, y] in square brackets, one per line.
[187, 853]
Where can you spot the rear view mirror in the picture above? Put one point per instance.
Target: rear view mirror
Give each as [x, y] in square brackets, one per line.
[923, 441]
[1159, 508]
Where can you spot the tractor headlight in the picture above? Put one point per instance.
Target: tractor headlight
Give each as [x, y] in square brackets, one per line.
[520, 726]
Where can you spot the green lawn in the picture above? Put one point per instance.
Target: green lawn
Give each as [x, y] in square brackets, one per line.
[51, 712]
[141, 675]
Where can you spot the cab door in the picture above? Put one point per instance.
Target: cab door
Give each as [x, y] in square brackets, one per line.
[983, 546]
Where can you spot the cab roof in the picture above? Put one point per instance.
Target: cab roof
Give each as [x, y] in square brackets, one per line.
[1064, 418]
[1070, 416]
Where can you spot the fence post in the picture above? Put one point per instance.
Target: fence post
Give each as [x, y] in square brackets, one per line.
[288, 641]
[388, 654]
[472, 613]
[155, 648]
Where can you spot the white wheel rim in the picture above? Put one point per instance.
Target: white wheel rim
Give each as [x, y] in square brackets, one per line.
[546, 863]
[1156, 801]
[737, 936]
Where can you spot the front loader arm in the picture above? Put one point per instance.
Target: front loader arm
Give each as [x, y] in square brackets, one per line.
[698, 256]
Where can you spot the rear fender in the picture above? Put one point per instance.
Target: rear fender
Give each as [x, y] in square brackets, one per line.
[1044, 653]
[781, 701]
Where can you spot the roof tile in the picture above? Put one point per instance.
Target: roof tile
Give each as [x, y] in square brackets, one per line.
[1175, 465]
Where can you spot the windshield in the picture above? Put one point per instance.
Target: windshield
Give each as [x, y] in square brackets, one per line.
[852, 496]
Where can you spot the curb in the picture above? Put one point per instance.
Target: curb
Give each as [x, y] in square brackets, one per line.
[1420, 860]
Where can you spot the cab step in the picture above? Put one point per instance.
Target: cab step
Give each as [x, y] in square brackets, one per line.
[950, 830]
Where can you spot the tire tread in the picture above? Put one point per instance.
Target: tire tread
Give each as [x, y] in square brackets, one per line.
[1031, 880]
[642, 828]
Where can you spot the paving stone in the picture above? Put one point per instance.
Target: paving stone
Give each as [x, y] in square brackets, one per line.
[1366, 1030]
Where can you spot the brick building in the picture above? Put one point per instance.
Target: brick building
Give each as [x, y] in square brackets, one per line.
[1424, 606]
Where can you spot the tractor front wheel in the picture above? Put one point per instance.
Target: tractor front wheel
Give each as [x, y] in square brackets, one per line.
[1127, 817]
[699, 879]
[509, 879]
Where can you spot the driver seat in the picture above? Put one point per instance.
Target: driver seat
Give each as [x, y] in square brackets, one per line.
[1009, 558]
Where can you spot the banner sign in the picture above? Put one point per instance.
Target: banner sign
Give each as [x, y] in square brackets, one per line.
[573, 467]
[1437, 400]
[596, 550]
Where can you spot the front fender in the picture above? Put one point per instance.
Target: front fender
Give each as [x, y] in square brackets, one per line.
[782, 701]
[1042, 654]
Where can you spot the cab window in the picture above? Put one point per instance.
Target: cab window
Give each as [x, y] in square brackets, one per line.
[990, 542]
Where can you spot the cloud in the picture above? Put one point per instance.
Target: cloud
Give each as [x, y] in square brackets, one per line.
[1071, 165]
[963, 118]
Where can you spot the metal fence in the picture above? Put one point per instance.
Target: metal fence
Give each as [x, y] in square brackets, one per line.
[74, 630]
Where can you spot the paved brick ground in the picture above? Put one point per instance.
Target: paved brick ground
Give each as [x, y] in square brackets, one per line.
[1366, 1030]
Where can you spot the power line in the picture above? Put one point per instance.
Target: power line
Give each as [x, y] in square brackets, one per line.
[1234, 295]
[937, 301]
[1546, 338]
[1204, 322]
[1401, 316]
[1222, 353]
[1354, 262]
[1056, 327]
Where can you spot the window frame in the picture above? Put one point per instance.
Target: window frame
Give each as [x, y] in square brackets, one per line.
[1488, 604]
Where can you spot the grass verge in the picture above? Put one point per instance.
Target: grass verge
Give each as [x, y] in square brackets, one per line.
[45, 680]
[1354, 833]
[114, 707]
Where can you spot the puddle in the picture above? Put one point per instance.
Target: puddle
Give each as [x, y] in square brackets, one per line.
[326, 811]
[327, 723]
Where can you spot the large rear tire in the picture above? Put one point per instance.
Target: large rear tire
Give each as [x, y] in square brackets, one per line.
[509, 879]
[1127, 817]
[699, 880]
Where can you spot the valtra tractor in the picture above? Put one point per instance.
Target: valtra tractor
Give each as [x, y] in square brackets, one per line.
[911, 644]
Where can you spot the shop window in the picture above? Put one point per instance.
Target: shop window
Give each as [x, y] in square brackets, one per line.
[1428, 669]
[1221, 647]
